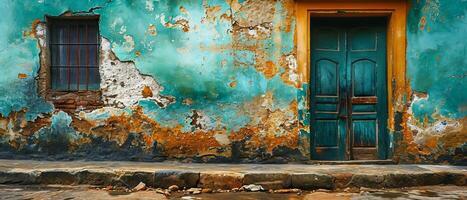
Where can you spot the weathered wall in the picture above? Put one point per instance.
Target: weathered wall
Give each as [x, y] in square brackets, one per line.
[436, 122]
[212, 80]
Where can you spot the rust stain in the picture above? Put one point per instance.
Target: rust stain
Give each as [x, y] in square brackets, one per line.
[173, 141]
[22, 76]
[32, 32]
[422, 23]
[225, 17]
[183, 10]
[184, 24]
[274, 128]
[31, 128]
[234, 5]
[181, 23]
[432, 142]
[269, 141]
[454, 138]
[293, 106]
[233, 84]
[364, 100]
[17, 129]
[268, 68]
[137, 53]
[289, 13]
[211, 12]
[408, 136]
[187, 101]
[147, 92]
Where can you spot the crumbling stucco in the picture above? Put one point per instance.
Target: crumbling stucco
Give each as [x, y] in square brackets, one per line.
[212, 81]
[122, 85]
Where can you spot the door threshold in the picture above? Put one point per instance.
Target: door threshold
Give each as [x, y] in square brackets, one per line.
[351, 162]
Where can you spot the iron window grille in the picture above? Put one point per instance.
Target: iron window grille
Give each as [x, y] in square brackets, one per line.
[74, 52]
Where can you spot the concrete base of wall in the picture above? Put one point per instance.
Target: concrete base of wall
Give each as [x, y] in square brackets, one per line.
[228, 176]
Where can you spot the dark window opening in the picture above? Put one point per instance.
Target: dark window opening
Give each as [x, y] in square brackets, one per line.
[74, 53]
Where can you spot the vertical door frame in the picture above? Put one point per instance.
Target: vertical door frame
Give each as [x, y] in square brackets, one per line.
[394, 10]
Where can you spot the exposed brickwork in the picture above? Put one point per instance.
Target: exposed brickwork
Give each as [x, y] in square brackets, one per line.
[72, 101]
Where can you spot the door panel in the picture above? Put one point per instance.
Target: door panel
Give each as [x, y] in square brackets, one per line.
[330, 39]
[328, 63]
[326, 74]
[363, 39]
[368, 85]
[364, 78]
[364, 133]
[348, 78]
[327, 133]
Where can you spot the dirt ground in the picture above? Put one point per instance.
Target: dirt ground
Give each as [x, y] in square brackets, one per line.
[87, 192]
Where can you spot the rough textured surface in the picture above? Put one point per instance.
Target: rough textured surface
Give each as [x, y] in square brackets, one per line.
[84, 192]
[228, 176]
[436, 122]
[211, 81]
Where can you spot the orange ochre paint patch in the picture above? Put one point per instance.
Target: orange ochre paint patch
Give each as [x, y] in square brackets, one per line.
[32, 32]
[268, 68]
[233, 84]
[174, 142]
[147, 92]
[22, 76]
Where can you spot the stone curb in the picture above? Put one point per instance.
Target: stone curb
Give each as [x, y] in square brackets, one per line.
[229, 180]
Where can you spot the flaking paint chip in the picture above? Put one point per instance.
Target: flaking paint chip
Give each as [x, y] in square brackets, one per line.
[147, 92]
[22, 76]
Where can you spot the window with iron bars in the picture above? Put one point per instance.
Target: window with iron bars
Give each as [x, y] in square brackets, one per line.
[74, 53]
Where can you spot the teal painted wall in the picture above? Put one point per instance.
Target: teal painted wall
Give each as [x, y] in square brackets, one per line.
[436, 57]
[229, 72]
[436, 71]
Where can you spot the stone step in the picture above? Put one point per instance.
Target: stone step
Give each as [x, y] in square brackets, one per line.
[228, 176]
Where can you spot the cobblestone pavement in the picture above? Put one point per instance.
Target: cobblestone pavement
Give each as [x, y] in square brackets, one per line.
[86, 192]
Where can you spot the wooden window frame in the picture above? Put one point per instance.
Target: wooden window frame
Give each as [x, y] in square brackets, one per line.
[68, 101]
[70, 22]
[394, 10]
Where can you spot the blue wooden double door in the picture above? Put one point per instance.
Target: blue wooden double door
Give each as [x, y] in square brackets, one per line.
[348, 89]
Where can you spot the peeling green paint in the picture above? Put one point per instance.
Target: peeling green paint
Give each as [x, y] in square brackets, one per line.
[223, 63]
[436, 59]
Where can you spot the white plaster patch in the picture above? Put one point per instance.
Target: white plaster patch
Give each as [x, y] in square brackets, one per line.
[424, 131]
[122, 84]
[40, 34]
[292, 65]
[149, 5]
[438, 128]
[432, 7]
[122, 29]
[162, 19]
[116, 21]
[252, 32]
[129, 43]
[199, 120]
[11, 133]
[222, 139]
[152, 30]
[100, 115]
